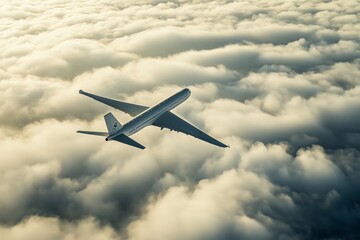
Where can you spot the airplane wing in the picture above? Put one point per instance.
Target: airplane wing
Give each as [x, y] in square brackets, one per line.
[129, 108]
[173, 122]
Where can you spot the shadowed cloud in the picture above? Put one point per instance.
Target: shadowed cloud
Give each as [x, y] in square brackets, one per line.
[278, 81]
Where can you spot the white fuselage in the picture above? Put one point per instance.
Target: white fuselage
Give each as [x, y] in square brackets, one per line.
[150, 115]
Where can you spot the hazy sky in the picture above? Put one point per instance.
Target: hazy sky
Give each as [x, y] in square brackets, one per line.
[279, 81]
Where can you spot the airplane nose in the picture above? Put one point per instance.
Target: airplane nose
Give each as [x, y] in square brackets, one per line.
[106, 139]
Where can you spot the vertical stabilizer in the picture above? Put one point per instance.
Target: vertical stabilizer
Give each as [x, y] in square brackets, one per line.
[112, 124]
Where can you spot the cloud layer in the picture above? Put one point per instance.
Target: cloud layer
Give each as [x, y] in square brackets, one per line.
[278, 81]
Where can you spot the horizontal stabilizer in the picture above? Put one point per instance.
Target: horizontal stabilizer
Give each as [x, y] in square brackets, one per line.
[94, 133]
[129, 141]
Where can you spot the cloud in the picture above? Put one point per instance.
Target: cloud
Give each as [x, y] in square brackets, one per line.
[277, 81]
[168, 41]
[295, 55]
[69, 59]
[52, 228]
[201, 214]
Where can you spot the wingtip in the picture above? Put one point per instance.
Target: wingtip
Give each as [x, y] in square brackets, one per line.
[81, 91]
[223, 145]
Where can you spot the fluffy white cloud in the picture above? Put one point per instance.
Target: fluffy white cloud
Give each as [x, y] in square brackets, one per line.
[276, 80]
[215, 209]
[52, 228]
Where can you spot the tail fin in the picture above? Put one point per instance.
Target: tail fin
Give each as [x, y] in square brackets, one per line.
[112, 124]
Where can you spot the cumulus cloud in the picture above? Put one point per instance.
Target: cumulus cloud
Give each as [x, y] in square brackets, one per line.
[69, 59]
[202, 214]
[51, 228]
[276, 80]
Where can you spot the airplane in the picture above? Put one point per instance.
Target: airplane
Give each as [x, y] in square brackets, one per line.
[159, 115]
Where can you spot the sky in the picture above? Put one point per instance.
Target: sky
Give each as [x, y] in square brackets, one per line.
[278, 81]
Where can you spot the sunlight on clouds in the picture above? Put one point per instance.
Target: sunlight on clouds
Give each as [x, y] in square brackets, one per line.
[276, 80]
